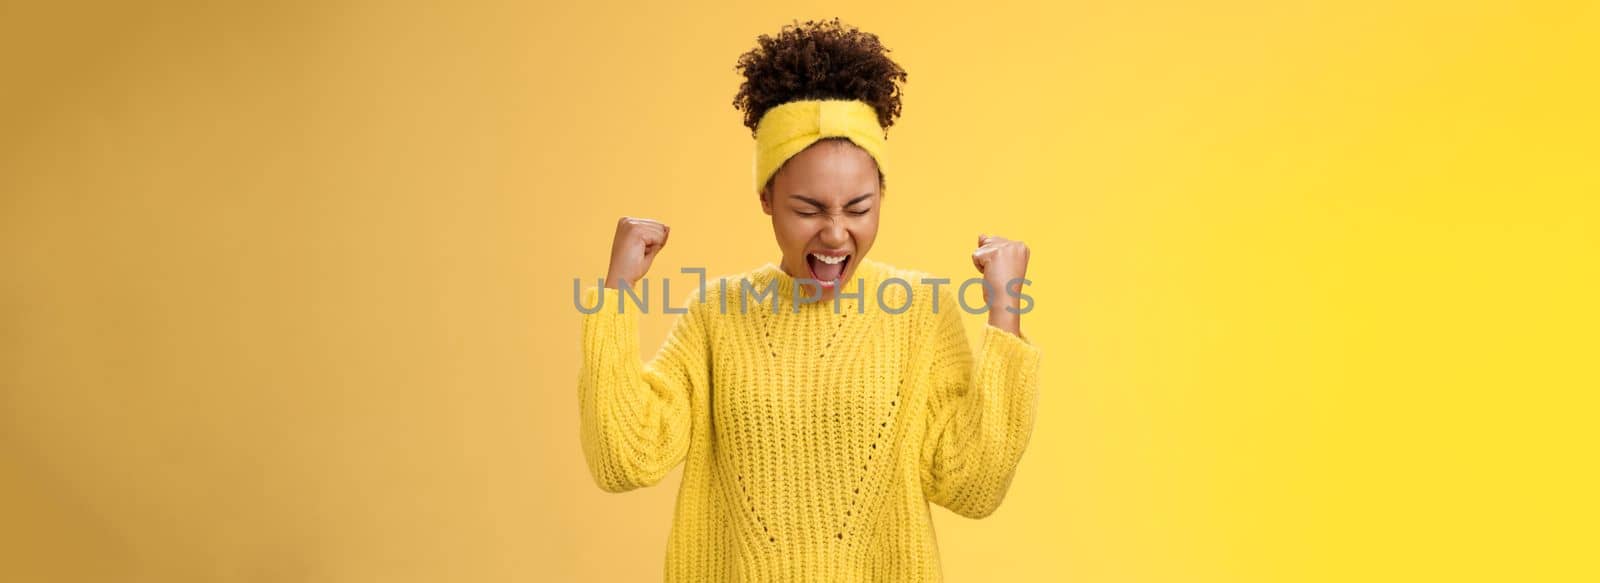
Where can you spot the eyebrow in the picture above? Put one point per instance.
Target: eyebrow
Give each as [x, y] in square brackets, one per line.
[819, 204]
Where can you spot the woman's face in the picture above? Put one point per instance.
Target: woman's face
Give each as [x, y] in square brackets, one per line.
[824, 205]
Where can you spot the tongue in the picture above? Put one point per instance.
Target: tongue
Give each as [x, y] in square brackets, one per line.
[824, 271]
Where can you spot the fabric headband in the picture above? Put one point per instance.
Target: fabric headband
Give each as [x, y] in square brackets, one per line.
[787, 129]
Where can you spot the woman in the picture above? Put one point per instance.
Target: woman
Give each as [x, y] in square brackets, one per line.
[814, 435]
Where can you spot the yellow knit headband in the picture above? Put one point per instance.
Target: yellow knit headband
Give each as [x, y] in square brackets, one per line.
[787, 129]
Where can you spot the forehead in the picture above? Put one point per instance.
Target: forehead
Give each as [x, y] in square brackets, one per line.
[830, 170]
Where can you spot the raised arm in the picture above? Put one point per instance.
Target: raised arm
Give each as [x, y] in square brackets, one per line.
[634, 417]
[980, 412]
[980, 416]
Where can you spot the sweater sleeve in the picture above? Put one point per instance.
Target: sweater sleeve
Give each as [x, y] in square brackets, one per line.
[980, 415]
[634, 417]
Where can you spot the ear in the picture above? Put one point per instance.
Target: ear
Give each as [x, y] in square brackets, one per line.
[766, 199]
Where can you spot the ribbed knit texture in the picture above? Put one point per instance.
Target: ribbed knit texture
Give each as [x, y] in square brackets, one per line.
[813, 440]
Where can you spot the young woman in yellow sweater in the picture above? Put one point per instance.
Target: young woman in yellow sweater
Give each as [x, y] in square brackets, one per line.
[815, 435]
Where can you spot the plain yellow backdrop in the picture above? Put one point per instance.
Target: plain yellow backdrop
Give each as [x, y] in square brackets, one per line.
[286, 287]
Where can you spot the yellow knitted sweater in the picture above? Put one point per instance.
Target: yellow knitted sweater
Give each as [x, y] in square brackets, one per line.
[814, 439]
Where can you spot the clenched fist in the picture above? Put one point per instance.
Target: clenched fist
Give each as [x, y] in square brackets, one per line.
[1002, 262]
[633, 248]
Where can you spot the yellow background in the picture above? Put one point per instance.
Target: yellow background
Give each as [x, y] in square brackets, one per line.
[286, 286]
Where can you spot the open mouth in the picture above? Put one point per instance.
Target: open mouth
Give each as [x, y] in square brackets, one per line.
[827, 268]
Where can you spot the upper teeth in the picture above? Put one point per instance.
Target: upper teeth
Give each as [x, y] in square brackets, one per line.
[830, 260]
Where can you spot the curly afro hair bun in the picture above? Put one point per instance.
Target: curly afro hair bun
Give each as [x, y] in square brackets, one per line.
[818, 60]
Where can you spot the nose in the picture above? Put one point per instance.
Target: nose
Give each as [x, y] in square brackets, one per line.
[834, 235]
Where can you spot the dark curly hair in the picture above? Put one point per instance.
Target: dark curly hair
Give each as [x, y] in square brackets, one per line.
[818, 60]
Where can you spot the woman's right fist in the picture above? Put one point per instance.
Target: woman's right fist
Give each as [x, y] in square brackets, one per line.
[633, 248]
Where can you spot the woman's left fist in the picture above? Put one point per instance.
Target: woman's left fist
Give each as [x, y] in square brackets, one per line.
[1003, 263]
